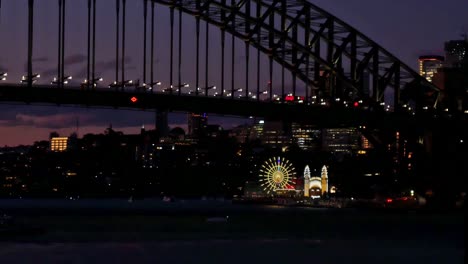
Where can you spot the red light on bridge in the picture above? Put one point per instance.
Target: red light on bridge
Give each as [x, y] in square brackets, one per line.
[291, 98]
[356, 104]
[134, 99]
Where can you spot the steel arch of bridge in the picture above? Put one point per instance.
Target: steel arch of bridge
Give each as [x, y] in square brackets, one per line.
[296, 42]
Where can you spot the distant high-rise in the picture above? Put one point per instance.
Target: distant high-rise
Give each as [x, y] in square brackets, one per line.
[306, 136]
[258, 129]
[197, 124]
[365, 143]
[275, 134]
[162, 123]
[242, 133]
[456, 53]
[453, 83]
[453, 78]
[429, 65]
[59, 144]
[340, 140]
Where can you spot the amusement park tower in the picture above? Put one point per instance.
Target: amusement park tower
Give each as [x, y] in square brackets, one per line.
[306, 181]
[324, 177]
[315, 186]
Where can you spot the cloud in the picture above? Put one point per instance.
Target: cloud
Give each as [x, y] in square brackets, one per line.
[69, 61]
[65, 117]
[75, 59]
[51, 122]
[55, 118]
[105, 66]
[35, 60]
[9, 112]
[110, 65]
[49, 72]
[40, 59]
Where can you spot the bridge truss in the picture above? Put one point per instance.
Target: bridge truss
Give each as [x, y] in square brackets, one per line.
[332, 59]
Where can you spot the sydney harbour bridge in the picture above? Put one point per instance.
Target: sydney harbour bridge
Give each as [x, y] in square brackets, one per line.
[298, 63]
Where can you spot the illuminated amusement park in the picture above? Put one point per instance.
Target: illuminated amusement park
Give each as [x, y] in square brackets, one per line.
[279, 183]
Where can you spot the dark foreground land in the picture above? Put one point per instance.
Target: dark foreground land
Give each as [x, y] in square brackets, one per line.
[220, 232]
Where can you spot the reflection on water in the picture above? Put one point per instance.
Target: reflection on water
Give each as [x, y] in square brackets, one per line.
[231, 251]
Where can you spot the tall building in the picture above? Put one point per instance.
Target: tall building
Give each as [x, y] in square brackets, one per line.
[258, 129]
[429, 65]
[197, 124]
[214, 131]
[162, 124]
[453, 78]
[242, 133]
[456, 53]
[275, 134]
[365, 143]
[59, 144]
[306, 136]
[453, 83]
[340, 140]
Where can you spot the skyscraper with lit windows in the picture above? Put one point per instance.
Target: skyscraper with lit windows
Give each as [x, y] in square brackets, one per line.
[306, 137]
[340, 140]
[429, 65]
[59, 144]
[456, 53]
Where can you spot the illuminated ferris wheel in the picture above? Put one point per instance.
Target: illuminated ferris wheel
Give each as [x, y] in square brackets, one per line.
[276, 174]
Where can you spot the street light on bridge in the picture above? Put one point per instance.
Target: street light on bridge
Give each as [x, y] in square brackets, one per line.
[117, 84]
[33, 78]
[92, 83]
[184, 85]
[259, 94]
[176, 87]
[64, 81]
[250, 95]
[3, 76]
[209, 88]
[150, 86]
[238, 90]
[206, 89]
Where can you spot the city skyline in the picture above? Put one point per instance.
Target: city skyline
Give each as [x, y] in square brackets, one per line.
[25, 124]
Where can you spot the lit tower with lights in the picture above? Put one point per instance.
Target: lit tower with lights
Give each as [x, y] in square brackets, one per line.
[306, 181]
[324, 179]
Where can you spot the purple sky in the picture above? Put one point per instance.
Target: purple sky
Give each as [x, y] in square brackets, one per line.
[407, 29]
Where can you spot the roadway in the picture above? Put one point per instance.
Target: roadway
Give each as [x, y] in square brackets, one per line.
[330, 115]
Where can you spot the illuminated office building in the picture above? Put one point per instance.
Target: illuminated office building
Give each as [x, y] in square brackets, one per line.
[59, 144]
[429, 65]
[275, 134]
[258, 129]
[340, 140]
[306, 136]
[365, 143]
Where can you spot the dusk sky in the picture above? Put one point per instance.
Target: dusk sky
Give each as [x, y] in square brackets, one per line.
[407, 29]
